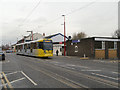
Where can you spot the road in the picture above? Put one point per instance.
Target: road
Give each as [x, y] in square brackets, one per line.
[59, 72]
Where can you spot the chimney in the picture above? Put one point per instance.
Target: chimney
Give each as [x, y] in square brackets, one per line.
[43, 34]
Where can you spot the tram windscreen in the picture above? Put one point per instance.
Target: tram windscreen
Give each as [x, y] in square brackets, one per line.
[47, 46]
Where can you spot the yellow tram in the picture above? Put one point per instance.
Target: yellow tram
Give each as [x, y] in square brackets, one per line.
[38, 48]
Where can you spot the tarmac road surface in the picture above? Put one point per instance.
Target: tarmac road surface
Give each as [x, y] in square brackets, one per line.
[59, 72]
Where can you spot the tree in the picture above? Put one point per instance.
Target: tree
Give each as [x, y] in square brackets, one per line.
[5, 47]
[79, 35]
[117, 33]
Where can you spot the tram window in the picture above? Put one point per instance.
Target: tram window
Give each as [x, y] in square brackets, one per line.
[34, 46]
[24, 46]
[19, 47]
[28, 46]
[31, 45]
[48, 46]
[40, 45]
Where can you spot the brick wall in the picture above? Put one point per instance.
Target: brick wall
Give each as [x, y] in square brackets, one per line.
[85, 46]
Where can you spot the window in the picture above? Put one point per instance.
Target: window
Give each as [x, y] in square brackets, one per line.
[47, 46]
[110, 45]
[40, 45]
[76, 48]
[71, 43]
[25, 47]
[115, 45]
[28, 46]
[34, 46]
[103, 45]
[99, 45]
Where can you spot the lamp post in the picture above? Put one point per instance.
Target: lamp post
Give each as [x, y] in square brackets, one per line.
[31, 34]
[64, 37]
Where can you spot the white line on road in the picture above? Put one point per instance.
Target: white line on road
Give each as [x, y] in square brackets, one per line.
[7, 61]
[76, 66]
[66, 67]
[70, 65]
[28, 78]
[105, 76]
[17, 80]
[90, 70]
[12, 73]
[115, 72]
[81, 66]
[13, 81]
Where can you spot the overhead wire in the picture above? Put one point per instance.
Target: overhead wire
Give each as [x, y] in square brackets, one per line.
[30, 13]
[52, 21]
[81, 8]
[71, 12]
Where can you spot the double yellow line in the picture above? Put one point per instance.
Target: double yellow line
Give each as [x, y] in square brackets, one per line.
[5, 81]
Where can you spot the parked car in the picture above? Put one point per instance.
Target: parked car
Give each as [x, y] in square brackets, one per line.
[2, 56]
[9, 51]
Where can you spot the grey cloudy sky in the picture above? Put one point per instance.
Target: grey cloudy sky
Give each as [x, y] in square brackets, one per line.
[94, 17]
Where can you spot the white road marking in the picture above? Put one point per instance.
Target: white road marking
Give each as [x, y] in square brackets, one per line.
[90, 70]
[13, 81]
[115, 72]
[81, 66]
[12, 73]
[28, 78]
[54, 62]
[66, 67]
[70, 65]
[76, 66]
[17, 80]
[3, 85]
[105, 76]
[7, 61]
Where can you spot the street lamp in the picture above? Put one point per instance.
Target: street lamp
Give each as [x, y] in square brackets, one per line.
[64, 37]
[31, 34]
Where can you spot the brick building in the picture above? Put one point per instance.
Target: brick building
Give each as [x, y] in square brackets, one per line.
[95, 47]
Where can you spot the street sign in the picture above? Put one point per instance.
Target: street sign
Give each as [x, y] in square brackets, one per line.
[75, 41]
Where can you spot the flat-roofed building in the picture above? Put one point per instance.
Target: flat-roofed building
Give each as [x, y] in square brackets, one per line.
[95, 47]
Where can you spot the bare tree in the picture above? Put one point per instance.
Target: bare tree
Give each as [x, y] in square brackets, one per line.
[117, 33]
[5, 47]
[79, 35]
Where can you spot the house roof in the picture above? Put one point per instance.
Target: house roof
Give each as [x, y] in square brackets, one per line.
[55, 35]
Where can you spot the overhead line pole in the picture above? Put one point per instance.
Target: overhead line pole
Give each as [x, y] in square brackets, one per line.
[64, 37]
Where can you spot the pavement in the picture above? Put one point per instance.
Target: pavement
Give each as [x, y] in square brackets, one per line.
[60, 72]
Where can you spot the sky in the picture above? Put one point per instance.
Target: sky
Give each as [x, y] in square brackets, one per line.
[94, 17]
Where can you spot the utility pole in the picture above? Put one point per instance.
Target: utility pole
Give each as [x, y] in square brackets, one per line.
[64, 37]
